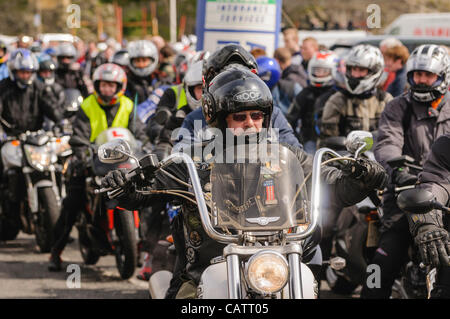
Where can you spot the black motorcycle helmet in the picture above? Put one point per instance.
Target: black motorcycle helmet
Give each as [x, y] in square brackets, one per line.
[227, 55]
[47, 63]
[233, 90]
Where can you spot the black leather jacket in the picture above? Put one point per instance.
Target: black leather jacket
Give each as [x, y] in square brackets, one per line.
[24, 109]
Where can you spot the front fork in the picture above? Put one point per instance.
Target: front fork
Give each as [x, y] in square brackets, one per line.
[32, 189]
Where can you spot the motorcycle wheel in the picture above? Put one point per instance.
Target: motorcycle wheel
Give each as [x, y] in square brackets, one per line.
[126, 249]
[48, 215]
[90, 257]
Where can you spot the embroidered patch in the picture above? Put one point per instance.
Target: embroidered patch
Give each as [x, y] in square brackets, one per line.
[195, 238]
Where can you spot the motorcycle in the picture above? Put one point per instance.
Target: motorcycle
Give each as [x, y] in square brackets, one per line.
[103, 227]
[30, 182]
[258, 208]
[421, 201]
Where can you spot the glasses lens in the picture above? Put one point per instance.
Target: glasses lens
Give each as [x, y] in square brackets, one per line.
[240, 117]
[256, 116]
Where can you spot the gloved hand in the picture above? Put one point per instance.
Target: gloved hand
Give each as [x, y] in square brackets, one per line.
[402, 177]
[371, 173]
[116, 179]
[434, 246]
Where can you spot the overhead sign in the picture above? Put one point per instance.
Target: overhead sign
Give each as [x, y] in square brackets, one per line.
[250, 23]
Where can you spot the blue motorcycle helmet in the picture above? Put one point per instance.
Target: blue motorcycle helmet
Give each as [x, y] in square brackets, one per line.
[268, 70]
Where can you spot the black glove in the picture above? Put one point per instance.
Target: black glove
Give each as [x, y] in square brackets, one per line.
[371, 173]
[433, 244]
[402, 177]
[116, 179]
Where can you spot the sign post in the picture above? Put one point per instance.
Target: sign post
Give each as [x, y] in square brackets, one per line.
[250, 23]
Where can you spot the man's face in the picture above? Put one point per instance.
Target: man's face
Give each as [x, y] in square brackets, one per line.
[23, 75]
[2, 53]
[424, 77]
[65, 59]
[141, 62]
[107, 88]
[392, 65]
[245, 122]
[198, 92]
[308, 50]
[291, 42]
[45, 74]
[358, 72]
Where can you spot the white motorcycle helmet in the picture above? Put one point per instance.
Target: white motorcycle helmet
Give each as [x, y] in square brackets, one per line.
[193, 78]
[143, 48]
[364, 56]
[323, 62]
[431, 58]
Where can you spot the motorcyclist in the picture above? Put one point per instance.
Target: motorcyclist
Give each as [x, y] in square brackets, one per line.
[359, 106]
[430, 230]
[301, 111]
[23, 100]
[226, 112]
[23, 104]
[175, 104]
[46, 74]
[195, 123]
[143, 61]
[283, 91]
[67, 75]
[106, 107]
[3, 59]
[408, 126]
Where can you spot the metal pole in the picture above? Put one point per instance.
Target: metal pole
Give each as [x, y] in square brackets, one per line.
[173, 21]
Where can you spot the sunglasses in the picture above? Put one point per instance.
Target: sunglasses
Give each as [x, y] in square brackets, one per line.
[241, 117]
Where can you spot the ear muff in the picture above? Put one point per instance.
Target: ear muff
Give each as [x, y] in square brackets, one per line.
[209, 107]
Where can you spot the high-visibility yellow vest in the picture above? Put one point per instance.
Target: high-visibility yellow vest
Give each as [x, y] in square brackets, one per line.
[97, 116]
[180, 95]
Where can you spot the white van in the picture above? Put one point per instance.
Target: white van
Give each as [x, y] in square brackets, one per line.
[421, 24]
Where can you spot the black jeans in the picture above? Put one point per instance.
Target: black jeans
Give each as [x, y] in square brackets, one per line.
[391, 254]
[72, 205]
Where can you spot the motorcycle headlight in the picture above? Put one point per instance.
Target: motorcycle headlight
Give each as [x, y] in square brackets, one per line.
[40, 157]
[267, 272]
[61, 146]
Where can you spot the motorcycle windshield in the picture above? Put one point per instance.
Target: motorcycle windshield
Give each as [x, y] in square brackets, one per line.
[101, 169]
[114, 133]
[258, 189]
